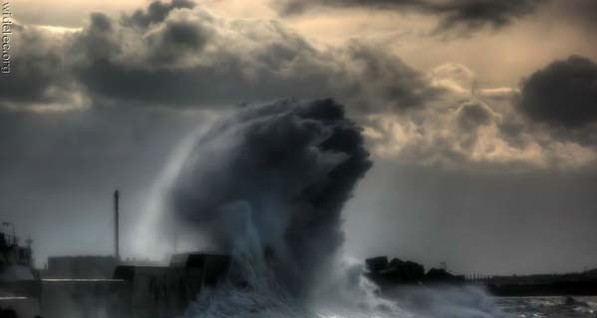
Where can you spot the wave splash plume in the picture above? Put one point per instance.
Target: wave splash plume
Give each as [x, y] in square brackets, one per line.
[267, 185]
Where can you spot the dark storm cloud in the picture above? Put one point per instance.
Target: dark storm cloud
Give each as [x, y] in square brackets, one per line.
[563, 93]
[550, 123]
[463, 16]
[282, 172]
[473, 114]
[385, 78]
[188, 57]
[196, 59]
[473, 135]
[156, 12]
[40, 73]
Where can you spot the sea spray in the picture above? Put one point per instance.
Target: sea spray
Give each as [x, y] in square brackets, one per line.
[154, 233]
[285, 168]
[267, 185]
[447, 301]
[251, 288]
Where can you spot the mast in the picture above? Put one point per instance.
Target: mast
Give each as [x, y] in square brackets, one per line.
[116, 225]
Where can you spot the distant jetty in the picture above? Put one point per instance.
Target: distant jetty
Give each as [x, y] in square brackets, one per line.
[390, 274]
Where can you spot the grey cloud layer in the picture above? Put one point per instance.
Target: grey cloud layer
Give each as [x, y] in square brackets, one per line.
[177, 55]
[156, 12]
[522, 130]
[41, 76]
[462, 16]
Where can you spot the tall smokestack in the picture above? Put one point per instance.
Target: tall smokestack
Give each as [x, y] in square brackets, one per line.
[116, 225]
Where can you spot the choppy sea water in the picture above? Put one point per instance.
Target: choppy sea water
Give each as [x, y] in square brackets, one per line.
[549, 307]
[475, 302]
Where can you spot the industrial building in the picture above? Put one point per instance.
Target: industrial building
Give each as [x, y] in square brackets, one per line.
[80, 266]
[102, 286]
[134, 291]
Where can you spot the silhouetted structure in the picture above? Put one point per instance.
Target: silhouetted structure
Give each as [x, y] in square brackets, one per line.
[440, 275]
[576, 284]
[20, 287]
[395, 273]
[117, 225]
[398, 272]
[100, 286]
[164, 292]
[134, 291]
[13, 254]
[62, 298]
[80, 267]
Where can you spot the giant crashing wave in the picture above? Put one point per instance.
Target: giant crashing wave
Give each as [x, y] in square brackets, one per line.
[267, 185]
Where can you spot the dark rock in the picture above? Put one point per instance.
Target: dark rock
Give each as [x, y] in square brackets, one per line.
[436, 275]
[394, 272]
[399, 271]
[413, 271]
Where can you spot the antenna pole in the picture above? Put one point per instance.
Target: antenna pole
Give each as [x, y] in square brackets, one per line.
[116, 225]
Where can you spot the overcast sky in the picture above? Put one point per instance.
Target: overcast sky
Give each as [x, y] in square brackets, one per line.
[481, 117]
